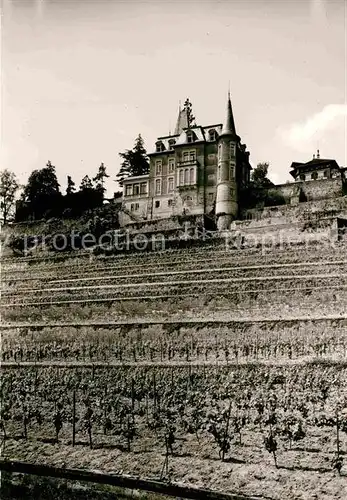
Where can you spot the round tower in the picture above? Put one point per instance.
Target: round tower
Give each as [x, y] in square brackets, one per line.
[226, 198]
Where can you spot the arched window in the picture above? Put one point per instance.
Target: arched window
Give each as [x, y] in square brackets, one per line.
[212, 135]
[159, 147]
[191, 176]
[190, 136]
[302, 177]
[171, 164]
[170, 184]
[186, 176]
[158, 186]
[158, 167]
[181, 177]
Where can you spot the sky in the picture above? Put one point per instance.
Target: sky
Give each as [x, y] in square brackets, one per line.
[80, 79]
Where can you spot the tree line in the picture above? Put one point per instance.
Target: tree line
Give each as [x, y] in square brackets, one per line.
[41, 197]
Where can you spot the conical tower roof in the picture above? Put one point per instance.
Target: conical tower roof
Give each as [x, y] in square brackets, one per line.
[229, 124]
[182, 121]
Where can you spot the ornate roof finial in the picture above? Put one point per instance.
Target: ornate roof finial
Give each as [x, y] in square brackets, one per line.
[318, 154]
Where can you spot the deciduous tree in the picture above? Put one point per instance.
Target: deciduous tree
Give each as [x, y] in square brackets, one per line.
[8, 189]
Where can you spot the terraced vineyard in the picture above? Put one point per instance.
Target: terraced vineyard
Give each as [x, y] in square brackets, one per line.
[221, 368]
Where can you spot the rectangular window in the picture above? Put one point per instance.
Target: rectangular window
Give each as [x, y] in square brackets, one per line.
[232, 149]
[157, 204]
[186, 156]
[143, 188]
[170, 184]
[210, 197]
[158, 167]
[132, 207]
[137, 206]
[163, 186]
[169, 203]
[136, 189]
[128, 190]
[171, 165]
[181, 177]
[192, 155]
[157, 186]
[232, 171]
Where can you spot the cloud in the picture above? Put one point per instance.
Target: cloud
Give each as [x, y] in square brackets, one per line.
[299, 135]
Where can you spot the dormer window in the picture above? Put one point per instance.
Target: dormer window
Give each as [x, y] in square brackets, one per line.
[190, 136]
[314, 176]
[172, 142]
[159, 147]
[212, 135]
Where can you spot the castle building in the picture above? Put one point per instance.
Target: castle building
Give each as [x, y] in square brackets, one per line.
[201, 171]
[198, 170]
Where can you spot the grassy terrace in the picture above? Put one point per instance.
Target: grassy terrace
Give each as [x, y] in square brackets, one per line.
[216, 287]
[214, 270]
[212, 350]
[292, 253]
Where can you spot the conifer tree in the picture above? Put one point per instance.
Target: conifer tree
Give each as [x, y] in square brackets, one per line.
[100, 177]
[70, 186]
[86, 183]
[135, 161]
